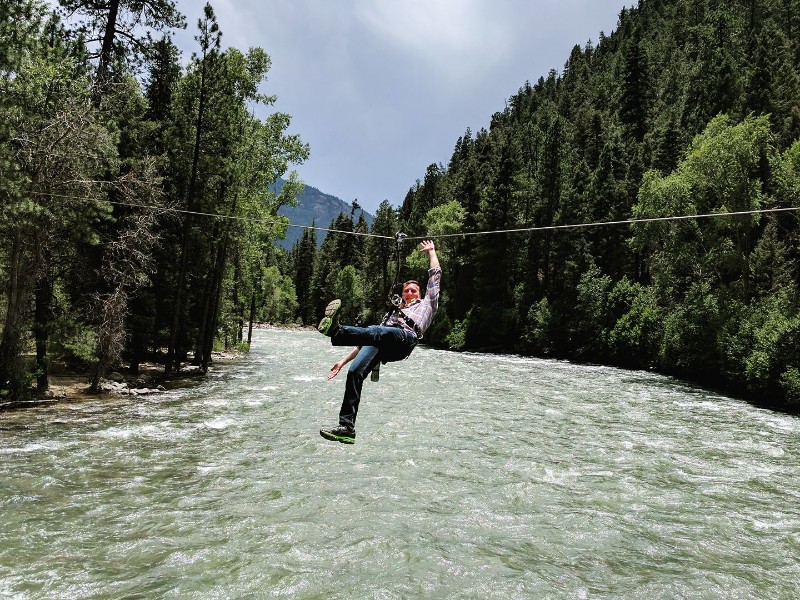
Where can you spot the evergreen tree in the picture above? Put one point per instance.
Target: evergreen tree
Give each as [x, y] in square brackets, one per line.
[493, 323]
[193, 103]
[53, 199]
[305, 253]
[115, 27]
[381, 262]
[223, 163]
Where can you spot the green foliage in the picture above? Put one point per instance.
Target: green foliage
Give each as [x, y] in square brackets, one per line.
[279, 304]
[80, 343]
[688, 347]
[60, 158]
[456, 339]
[443, 220]
[787, 174]
[79, 157]
[539, 328]
[303, 256]
[592, 314]
[348, 287]
[722, 172]
[380, 263]
[223, 161]
[762, 348]
[636, 334]
[790, 382]
[123, 28]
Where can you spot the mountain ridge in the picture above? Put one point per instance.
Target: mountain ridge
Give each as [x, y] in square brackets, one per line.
[314, 207]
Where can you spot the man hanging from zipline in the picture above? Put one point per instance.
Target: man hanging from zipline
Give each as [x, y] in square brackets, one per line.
[394, 339]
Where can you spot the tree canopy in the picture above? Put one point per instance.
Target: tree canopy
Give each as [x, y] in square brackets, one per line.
[100, 173]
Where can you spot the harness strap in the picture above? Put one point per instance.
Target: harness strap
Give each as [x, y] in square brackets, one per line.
[410, 322]
[406, 319]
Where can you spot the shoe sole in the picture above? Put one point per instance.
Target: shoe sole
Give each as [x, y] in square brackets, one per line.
[330, 313]
[337, 438]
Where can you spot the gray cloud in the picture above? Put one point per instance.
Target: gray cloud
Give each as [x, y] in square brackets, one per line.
[380, 89]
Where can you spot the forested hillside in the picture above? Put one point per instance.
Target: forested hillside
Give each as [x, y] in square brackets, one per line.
[313, 208]
[112, 152]
[690, 107]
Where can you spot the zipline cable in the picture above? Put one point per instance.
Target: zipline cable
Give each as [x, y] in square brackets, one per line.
[445, 235]
[604, 223]
[167, 209]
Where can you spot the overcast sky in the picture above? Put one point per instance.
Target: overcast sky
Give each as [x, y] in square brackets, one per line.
[380, 89]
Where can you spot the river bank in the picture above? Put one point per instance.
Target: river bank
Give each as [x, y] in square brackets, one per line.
[69, 385]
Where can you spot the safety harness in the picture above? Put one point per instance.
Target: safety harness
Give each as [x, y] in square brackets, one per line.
[395, 300]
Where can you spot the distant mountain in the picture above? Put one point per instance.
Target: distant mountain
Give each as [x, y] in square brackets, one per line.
[314, 208]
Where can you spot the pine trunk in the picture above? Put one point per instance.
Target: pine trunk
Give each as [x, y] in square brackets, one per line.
[44, 317]
[106, 51]
[20, 269]
[252, 319]
[177, 310]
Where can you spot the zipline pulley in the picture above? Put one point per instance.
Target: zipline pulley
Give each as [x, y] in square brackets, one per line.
[394, 298]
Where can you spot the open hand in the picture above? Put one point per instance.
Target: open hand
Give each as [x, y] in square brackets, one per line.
[427, 246]
[335, 370]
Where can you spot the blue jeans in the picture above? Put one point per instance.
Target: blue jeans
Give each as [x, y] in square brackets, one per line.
[378, 344]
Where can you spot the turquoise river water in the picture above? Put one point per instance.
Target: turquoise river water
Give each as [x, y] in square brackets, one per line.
[473, 476]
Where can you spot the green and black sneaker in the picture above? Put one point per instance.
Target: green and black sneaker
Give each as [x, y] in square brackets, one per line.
[330, 322]
[340, 433]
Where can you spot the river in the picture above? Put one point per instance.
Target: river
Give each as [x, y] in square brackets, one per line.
[473, 476]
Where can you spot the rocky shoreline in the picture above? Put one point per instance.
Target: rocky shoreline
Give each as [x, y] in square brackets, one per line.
[70, 386]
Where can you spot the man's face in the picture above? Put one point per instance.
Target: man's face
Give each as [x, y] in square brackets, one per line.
[410, 292]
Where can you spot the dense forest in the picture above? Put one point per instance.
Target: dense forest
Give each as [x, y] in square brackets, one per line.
[114, 151]
[690, 107]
